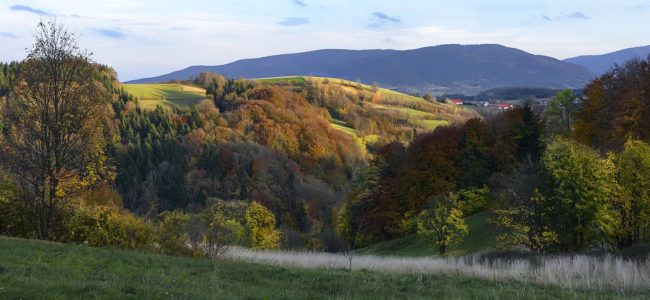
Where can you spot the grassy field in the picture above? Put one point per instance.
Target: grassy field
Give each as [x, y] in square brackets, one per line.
[343, 127]
[165, 94]
[44, 270]
[482, 237]
[289, 80]
[431, 124]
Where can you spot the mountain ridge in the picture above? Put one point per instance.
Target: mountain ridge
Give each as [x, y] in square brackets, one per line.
[435, 69]
[601, 63]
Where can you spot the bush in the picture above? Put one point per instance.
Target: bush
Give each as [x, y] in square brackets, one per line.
[473, 200]
[173, 236]
[103, 226]
[221, 233]
[18, 216]
[10, 210]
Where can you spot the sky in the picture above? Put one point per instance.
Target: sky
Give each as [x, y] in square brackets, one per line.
[144, 38]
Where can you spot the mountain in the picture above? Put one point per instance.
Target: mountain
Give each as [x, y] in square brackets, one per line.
[440, 69]
[602, 63]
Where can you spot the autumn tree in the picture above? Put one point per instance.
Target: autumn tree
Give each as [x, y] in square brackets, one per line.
[215, 86]
[53, 133]
[518, 134]
[633, 177]
[475, 159]
[616, 107]
[261, 224]
[578, 190]
[442, 222]
[522, 212]
[592, 122]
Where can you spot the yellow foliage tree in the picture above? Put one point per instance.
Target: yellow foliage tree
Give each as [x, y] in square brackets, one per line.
[261, 223]
[442, 223]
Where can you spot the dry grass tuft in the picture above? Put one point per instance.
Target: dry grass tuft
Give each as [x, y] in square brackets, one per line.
[579, 271]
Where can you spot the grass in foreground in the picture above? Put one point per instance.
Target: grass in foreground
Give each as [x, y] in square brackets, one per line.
[36, 269]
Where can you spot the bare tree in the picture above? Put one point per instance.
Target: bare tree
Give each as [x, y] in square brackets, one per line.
[217, 239]
[352, 245]
[52, 135]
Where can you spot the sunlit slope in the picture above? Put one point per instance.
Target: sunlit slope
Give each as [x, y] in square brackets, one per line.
[165, 94]
[415, 112]
[482, 237]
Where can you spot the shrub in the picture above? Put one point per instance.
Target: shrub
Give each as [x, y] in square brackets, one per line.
[221, 233]
[104, 226]
[173, 236]
[10, 209]
[473, 200]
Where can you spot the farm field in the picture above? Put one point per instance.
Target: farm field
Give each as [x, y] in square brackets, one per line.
[35, 269]
[166, 94]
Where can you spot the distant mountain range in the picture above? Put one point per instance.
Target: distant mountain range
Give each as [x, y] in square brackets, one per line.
[600, 64]
[467, 69]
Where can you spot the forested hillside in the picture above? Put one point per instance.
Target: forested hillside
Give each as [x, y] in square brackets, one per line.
[571, 176]
[292, 145]
[313, 163]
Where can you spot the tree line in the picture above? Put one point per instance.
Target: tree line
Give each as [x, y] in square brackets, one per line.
[572, 176]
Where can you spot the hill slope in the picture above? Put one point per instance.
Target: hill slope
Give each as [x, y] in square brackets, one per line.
[600, 64]
[482, 237]
[170, 95]
[36, 269]
[439, 69]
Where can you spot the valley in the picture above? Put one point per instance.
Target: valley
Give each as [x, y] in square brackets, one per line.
[314, 149]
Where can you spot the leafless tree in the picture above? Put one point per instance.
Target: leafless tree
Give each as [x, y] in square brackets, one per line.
[217, 240]
[52, 134]
[352, 245]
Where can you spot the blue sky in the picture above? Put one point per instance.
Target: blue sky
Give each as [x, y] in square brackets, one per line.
[141, 38]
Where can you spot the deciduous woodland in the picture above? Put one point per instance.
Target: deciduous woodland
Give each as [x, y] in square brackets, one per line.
[311, 163]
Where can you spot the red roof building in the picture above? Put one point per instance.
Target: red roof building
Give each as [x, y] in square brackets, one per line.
[503, 106]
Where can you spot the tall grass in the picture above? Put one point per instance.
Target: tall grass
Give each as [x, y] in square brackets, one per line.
[577, 271]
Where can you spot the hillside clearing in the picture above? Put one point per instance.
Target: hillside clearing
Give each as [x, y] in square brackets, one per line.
[482, 237]
[165, 94]
[36, 269]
